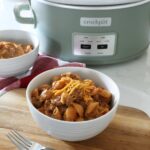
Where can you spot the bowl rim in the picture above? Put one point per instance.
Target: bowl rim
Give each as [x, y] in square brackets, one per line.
[114, 108]
[36, 46]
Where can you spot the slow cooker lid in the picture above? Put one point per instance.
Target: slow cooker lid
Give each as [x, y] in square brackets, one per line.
[94, 2]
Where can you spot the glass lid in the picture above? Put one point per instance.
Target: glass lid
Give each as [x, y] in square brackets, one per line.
[94, 2]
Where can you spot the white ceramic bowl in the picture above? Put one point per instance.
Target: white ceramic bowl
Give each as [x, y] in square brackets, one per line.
[17, 65]
[73, 131]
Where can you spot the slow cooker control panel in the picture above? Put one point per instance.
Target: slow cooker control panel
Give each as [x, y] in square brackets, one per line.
[91, 44]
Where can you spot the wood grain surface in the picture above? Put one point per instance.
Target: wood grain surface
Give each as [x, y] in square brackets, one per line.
[129, 130]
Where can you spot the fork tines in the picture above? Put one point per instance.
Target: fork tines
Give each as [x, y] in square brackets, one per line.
[20, 141]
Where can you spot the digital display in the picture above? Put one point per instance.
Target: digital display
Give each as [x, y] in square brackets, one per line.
[102, 46]
[85, 46]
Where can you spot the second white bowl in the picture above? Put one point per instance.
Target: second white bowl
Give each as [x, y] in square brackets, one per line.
[17, 65]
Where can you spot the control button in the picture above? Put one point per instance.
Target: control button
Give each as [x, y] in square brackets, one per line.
[102, 46]
[85, 46]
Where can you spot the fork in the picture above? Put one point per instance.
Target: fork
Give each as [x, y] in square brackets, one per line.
[24, 143]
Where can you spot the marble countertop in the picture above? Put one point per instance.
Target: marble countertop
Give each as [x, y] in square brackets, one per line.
[133, 77]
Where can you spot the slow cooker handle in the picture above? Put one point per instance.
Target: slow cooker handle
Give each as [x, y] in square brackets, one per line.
[19, 7]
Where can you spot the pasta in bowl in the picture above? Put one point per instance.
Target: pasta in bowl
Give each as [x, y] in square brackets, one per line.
[69, 97]
[72, 103]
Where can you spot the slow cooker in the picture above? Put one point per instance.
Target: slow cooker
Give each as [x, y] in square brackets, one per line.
[92, 31]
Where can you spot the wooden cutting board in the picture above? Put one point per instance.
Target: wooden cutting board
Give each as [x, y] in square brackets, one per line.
[129, 130]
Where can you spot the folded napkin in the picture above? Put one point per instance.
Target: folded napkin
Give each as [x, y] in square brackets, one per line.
[42, 64]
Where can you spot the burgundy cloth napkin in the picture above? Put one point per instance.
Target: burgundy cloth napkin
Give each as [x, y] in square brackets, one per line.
[42, 64]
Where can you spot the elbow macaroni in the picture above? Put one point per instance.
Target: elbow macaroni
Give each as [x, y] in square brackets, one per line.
[70, 98]
[13, 49]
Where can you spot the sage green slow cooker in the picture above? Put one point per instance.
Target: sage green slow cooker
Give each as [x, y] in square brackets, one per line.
[96, 32]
